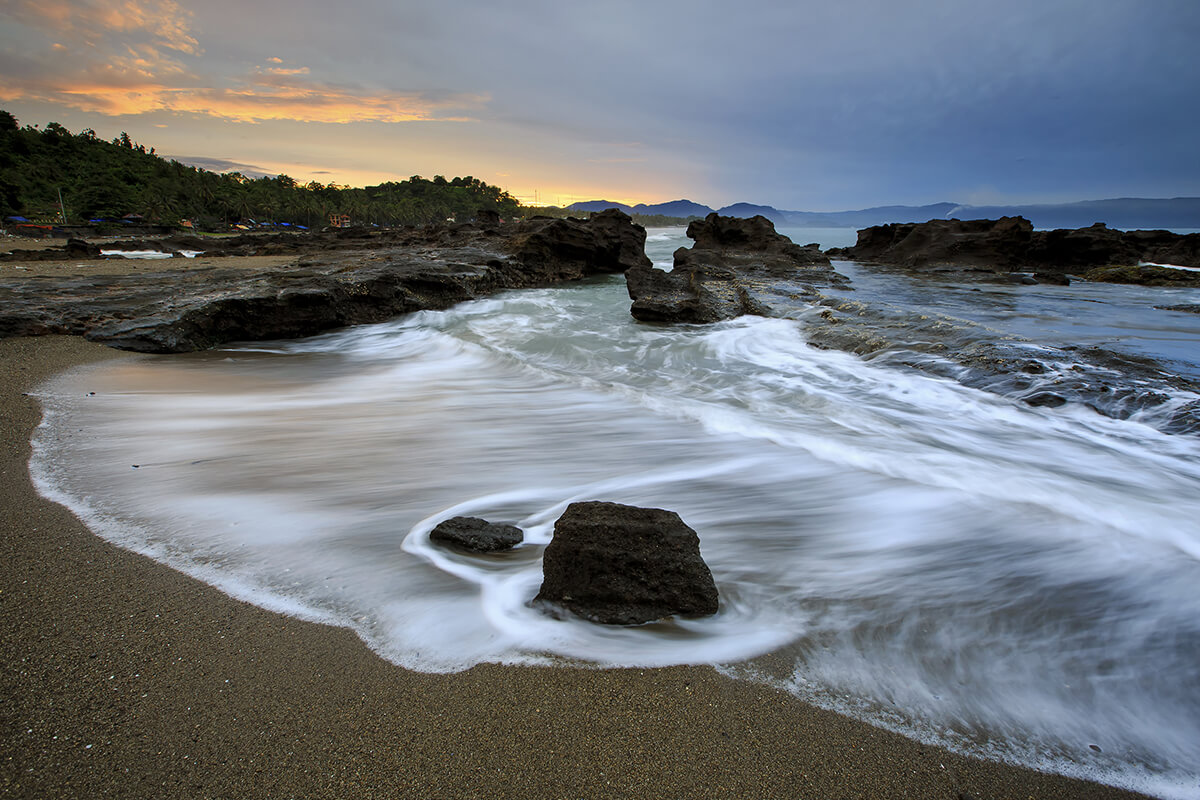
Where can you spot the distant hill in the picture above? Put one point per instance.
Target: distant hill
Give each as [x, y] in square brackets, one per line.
[866, 217]
[595, 206]
[751, 210]
[675, 208]
[1126, 213]
[806, 219]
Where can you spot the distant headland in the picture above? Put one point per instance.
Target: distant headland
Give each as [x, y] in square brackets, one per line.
[1124, 212]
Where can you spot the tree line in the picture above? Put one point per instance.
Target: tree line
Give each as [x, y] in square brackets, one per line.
[108, 180]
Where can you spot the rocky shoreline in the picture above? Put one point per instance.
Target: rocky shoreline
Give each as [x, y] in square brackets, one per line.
[736, 266]
[337, 278]
[347, 278]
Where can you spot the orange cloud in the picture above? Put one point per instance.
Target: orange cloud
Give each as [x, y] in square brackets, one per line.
[167, 22]
[284, 70]
[139, 56]
[255, 102]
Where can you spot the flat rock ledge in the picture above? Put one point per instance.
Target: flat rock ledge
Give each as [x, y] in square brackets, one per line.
[736, 266]
[477, 535]
[351, 277]
[623, 565]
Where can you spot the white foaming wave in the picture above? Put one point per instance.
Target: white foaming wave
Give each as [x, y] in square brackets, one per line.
[921, 428]
[932, 429]
[49, 484]
[730, 635]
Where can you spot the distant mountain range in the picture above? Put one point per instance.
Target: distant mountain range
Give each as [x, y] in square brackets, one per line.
[1124, 212]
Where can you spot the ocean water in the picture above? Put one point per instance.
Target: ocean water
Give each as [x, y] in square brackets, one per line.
[1010, 581]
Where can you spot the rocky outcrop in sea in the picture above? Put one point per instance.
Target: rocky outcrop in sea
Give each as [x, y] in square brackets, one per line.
[999, 248]
[736, 266]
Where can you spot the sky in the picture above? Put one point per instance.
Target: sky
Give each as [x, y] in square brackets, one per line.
[802, 105]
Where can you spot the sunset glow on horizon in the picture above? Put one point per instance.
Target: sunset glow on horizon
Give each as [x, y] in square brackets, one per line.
[632, 103]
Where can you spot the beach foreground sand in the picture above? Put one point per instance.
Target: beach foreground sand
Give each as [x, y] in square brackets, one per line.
[123, 678]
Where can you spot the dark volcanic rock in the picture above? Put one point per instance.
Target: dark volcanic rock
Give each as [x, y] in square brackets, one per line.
[563, 249]
[477, 535]
[1001, 244]
[79, 248]
[74, 248]
[1011, 245]
[622, 565]
[735, 267]
[746, 235]
[339, 278]
[1080, 249]
[487, 217]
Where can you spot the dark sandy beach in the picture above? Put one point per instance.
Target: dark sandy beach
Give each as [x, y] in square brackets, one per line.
[123, 678]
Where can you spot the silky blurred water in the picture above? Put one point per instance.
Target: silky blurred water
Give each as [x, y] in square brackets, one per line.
[1013, 581]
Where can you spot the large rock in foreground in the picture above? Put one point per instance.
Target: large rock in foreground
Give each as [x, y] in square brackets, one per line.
[623, 565]
[737, 266]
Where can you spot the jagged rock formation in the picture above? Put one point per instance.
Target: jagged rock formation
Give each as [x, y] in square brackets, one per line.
[623, 565]
[1001, 244]
[734, 268]
[339, 278]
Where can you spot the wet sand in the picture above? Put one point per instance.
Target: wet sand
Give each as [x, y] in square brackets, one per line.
[123, 678]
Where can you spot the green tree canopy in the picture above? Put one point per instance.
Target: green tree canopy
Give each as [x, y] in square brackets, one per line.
[109, 179]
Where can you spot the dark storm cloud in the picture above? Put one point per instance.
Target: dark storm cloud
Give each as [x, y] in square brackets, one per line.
[853, 102]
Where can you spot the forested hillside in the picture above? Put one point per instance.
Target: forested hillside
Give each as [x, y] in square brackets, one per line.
[103, 180]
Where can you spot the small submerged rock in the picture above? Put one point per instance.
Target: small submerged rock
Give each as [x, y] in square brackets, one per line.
[623, 565]
[1046, 400]
[1144, 275]
[477, 535]
[1187, 308]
